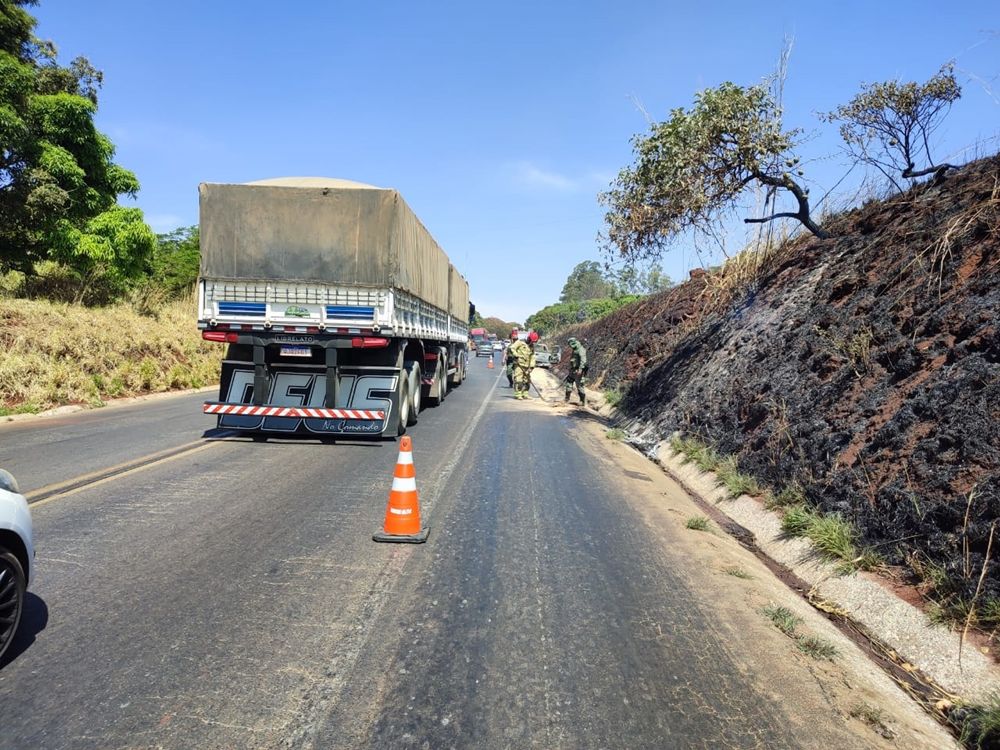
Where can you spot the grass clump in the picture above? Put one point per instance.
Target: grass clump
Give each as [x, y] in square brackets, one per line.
[980, 726]
[790, 494]
[613, 397]
[736, 572]
[782, 618]
[697, 523]
[615, 434]
[693, 450]
[736, 482]
[787, 623]
[833, 537]
[797, 520]
[706, 458]
[816, 647]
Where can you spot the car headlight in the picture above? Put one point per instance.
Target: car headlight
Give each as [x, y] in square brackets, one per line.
[7, 482]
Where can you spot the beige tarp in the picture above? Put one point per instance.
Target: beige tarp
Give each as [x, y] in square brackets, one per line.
[458, 295]
[323, 230]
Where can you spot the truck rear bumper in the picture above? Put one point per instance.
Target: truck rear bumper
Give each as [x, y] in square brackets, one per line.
[301, 412]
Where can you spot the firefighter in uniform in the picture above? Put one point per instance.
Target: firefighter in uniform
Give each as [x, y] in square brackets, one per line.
[577, 371]
[524, 362]
[509, 360]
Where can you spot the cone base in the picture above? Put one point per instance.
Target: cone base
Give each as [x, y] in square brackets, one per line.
[418, 538]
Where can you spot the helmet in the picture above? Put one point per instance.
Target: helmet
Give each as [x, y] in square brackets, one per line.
[532, 337]
[573, 342]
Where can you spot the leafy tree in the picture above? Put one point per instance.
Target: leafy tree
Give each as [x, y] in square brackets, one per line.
[562, 314]
[500, 328]
[693, 167]
[889, 125]
[632, 280]
[586, 281]
[58, 182]
[176, 260]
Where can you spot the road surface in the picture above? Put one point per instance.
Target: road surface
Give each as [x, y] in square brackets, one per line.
[229, 595]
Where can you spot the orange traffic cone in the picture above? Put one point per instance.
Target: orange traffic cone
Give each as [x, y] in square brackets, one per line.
[490, 365]
[402, 514]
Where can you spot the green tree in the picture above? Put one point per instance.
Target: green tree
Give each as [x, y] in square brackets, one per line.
[176, 260]
[586, 281]
[107, 251]
[501, 328]
[889, 125]
[633, 280]
[553, 317]
[59, 183]
[694, 166]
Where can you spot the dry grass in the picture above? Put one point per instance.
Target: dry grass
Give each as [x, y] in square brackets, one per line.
[58, 353]
[743, 273]
[737, 572]
[983, 215]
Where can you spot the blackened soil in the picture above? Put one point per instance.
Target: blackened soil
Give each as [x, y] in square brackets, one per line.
[865, 367]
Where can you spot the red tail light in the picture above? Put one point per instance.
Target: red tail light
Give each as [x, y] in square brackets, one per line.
[221, 337]
[369, 342]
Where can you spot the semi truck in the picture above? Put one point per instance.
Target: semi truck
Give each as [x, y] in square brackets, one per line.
[341, 314]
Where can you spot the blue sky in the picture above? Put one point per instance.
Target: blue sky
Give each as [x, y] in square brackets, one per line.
[498, 122]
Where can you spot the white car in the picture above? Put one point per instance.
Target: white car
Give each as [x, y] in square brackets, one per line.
[497, 346]
[17, 553]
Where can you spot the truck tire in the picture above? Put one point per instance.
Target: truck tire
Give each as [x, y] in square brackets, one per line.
[12, 586]
[443, 386]
[402, 403]
[459, 371]
[440, 376]
[416, 392]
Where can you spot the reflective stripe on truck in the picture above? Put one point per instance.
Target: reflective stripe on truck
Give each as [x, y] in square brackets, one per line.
[215, 407]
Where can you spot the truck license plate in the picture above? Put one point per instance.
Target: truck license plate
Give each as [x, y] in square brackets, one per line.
[296, 351]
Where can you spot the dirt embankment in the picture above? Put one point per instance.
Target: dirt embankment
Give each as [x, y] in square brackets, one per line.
[865, 367]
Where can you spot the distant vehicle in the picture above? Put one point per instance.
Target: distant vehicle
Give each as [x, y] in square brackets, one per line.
[17, 553]
[545, 357]
[497, 346]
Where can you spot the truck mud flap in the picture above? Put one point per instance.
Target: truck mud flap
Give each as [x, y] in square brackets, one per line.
[298, 392]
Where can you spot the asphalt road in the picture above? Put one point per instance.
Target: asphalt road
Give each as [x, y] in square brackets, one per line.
[54, 449]
[232, 596]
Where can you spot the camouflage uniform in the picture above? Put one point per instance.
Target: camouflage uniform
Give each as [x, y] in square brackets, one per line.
[577, 371]
[524, 362]
[508, 359]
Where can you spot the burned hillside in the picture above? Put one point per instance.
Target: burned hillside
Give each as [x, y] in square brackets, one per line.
[864, 367]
